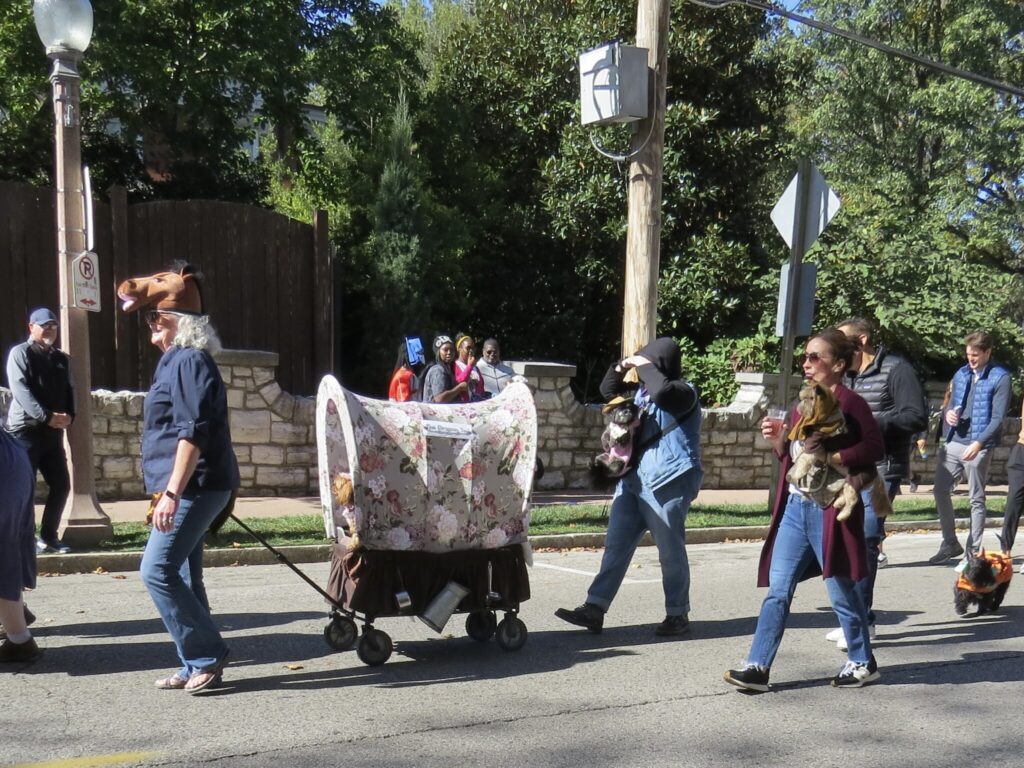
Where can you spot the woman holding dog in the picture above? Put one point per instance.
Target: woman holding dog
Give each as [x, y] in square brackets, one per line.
[188, 465]
[805, 540]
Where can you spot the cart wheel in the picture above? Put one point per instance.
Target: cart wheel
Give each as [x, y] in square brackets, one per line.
[341, 633]
[481, 625]
[374, 647]
[511, 633]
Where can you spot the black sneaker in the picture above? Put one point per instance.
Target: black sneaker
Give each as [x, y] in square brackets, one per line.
[856, 675]
[19, 652]
[57, 546]
[751, 677]
[946, 552]
[587, 615]
[673, 625]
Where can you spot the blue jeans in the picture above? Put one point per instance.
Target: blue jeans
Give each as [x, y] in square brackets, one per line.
[797, 543]
[172, 570]
[635, 510]
[874, 534]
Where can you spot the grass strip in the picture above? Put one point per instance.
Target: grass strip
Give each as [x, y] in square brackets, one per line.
[554, 519]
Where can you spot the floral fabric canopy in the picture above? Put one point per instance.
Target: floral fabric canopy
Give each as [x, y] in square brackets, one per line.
[427, 476]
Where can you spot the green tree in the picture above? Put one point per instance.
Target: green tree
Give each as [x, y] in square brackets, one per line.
[930, 169]
[550, 211]
[174, 90]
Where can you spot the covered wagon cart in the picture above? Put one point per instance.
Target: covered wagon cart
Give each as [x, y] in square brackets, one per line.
[435, 519]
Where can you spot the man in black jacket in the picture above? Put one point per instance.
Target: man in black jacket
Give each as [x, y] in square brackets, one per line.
[43, 406]
[893, 392]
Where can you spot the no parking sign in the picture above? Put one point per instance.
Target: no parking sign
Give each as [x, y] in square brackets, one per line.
[85, 277]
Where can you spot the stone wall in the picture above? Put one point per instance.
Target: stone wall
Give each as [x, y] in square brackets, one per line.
[569, 434]
[734, 455]
[274, 432]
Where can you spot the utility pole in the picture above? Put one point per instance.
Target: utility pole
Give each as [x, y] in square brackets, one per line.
[643, 236]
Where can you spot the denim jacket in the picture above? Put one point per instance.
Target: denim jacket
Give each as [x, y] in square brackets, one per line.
[666, 400]
[675, 452]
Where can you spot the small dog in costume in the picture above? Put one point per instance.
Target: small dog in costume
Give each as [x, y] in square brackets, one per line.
[812, 472]
[347, 514]
[617, 443]
[983, 582]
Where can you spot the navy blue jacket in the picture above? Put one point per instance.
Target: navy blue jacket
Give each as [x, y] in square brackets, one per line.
[187, 401]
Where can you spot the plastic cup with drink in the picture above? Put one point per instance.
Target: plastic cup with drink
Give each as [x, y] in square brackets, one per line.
[775, 418]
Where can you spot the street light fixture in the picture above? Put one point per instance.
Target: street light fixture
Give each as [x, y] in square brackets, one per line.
[65, 28]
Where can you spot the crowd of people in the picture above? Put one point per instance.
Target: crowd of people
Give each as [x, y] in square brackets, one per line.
[190, 470]
[456, 375]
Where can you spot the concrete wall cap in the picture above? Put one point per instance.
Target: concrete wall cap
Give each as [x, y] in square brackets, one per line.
[534, 369]
[248, 357]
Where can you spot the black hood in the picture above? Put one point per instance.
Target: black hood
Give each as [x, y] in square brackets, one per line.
[664, 354]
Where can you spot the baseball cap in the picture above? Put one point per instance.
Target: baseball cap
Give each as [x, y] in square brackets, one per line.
[42, 316]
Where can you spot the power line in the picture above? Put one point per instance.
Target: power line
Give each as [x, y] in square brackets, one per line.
[938, 66]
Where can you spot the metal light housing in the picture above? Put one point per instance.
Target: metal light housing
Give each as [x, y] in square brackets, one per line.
[63, 25]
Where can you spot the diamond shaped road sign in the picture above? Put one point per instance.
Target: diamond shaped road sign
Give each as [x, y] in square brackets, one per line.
[822, 205]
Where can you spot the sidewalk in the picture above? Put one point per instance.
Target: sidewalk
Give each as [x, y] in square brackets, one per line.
[265, 507]
[269, 506]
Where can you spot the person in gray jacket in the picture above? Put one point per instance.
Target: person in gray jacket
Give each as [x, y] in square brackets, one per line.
[890, 387]
[43, 406]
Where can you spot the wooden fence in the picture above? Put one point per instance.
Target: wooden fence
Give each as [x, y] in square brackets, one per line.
[268, 282]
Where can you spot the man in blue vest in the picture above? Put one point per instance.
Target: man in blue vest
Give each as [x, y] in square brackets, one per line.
[972, 422]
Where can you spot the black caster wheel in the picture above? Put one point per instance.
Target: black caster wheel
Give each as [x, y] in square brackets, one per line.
[374, 647]
[511, 633]
[341, 633]
[481, 625]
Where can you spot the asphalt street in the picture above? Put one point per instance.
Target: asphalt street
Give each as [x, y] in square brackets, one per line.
[950, 691]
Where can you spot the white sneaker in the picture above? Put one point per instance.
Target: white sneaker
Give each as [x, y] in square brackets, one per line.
[883, 559]
[1022, 567]
[835, 635]
[841, 642]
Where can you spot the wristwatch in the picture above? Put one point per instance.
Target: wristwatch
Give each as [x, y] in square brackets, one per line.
[171, 495]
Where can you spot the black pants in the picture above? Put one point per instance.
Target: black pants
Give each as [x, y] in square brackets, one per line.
[1014, 495]
[45, 448]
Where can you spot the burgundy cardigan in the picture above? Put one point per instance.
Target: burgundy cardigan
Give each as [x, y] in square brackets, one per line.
[843, 548]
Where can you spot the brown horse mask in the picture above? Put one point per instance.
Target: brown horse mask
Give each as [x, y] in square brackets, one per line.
[173, 291]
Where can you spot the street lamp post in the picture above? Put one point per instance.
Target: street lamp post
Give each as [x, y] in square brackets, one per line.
[65, 28]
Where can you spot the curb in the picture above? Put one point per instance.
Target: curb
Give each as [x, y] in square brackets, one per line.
[121, 562]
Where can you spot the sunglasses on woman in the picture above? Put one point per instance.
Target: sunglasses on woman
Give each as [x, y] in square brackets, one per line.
[153, 316]
[814, 357]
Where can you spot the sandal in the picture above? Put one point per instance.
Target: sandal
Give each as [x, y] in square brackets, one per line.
[200, 681]
[174, 682]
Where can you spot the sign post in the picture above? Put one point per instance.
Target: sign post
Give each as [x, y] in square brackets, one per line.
[802, 213]
[85, 279]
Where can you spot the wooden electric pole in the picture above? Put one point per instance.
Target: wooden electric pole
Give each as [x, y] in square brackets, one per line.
[643, 236]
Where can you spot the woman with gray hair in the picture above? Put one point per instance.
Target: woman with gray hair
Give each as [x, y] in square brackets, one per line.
[188, 466]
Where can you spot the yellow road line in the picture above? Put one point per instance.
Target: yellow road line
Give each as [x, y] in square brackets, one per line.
[93, 762]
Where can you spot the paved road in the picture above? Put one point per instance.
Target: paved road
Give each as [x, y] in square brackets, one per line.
[950, 692]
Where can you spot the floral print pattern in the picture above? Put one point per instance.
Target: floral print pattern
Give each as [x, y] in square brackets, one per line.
[428, 477]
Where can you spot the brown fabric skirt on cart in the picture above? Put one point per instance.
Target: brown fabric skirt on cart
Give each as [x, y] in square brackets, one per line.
[366, 580]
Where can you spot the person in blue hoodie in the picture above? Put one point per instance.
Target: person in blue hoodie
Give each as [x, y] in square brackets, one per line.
[655, 494]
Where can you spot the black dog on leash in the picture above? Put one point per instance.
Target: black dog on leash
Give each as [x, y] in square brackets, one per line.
[983, 582]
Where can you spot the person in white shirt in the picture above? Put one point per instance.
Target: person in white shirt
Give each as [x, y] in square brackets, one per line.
[496, 374]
